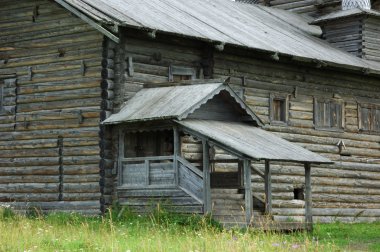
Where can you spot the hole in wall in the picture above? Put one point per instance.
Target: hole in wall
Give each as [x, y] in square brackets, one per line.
[299, 193]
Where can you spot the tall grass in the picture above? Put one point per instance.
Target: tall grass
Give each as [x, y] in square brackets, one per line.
[158, 231]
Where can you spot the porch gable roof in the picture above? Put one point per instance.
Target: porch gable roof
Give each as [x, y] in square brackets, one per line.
[173, 102]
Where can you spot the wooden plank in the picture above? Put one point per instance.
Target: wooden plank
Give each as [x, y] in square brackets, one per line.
[206, 178]
[176, 153]
[308, 199]
[137, 159]
[147, 168]
[268, 188]
[190, 166]
[248, 190]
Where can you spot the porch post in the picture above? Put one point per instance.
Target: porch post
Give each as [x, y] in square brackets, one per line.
[206, 178]
[176, 152]
[308, 201]
[268, 188]
[248, 190]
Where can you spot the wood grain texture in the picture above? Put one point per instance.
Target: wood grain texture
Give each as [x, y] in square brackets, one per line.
[48, 138]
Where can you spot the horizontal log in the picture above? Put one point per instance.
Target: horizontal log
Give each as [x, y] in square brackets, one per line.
[29, 188]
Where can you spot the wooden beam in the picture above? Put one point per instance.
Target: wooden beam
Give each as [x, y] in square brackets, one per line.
[206, 178]
[308, 200]
[176, 143]
[248, 190]
[89, 21]
[268, 188]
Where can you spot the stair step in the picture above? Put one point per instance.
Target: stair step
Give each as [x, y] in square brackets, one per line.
[226, 196]
[229, 207]
[224, 191]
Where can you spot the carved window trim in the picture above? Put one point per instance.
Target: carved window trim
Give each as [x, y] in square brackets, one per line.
[372, 107]
[182, 71]
[328, 102]
[284, 100]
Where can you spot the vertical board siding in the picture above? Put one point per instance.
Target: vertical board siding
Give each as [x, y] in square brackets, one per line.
[57, 62]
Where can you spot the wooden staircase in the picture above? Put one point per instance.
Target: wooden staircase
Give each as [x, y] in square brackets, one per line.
[228, 207]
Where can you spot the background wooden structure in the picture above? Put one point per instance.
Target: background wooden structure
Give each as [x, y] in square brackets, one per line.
[69, 77]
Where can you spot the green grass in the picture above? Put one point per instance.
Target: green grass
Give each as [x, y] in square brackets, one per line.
[351, 237]
[162, 231]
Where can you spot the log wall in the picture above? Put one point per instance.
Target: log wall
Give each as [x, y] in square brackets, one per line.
[349, 189]
[346, 34]
[49, 143]
[371, 38]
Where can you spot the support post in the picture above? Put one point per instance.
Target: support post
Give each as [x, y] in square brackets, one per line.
[268, 188]
[240, 173]
[248, 190]
[176, 152]
[206, 178]
[308, 201]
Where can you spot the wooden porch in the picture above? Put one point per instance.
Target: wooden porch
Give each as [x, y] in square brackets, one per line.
[229, 199]
[151, 167]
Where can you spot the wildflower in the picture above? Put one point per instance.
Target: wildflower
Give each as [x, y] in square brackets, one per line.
[275, 244]
[295, 246]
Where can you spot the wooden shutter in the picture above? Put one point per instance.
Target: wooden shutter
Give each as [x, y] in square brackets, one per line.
[335, 115]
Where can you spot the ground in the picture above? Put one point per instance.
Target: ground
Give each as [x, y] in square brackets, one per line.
[162, 231]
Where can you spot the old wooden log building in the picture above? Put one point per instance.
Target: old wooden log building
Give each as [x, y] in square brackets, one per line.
[236, 109]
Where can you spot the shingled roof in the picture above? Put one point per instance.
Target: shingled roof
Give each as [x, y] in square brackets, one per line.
[223, 21]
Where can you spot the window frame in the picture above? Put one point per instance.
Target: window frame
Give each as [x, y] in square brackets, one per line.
[371, 106]
[341, 124]
[281, 97]
[183, 71]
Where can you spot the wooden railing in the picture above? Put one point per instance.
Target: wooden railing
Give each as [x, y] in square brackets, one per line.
[147, 172]
[161, 172]
[190, 179]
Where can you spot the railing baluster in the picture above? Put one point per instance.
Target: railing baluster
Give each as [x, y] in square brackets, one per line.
[147, 164]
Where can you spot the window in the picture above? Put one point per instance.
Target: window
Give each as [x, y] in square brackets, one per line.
[369, 117]
[177, 73]
[328, 114]
[279, 109]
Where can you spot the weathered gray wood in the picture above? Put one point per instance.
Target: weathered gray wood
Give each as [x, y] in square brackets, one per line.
[248, 190]
[176, 152]
[268, 188]
[190, 167]
[308, 199]
[206, 178]
[190, 183]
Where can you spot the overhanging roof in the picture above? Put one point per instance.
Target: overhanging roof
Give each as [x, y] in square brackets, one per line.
[174, 102]
[252, 141]
[224, 21]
